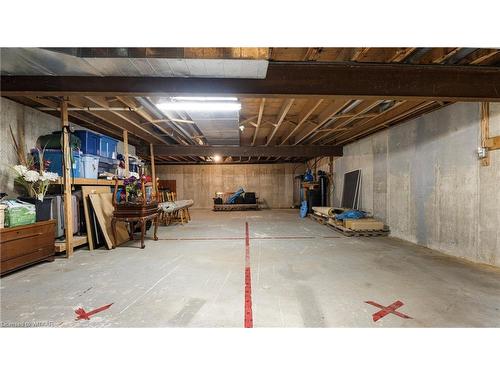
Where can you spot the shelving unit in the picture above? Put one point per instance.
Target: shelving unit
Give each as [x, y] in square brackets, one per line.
[88, 181]
[68, 182]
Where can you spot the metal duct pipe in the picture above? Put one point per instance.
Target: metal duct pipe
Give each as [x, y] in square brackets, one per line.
[152, 108]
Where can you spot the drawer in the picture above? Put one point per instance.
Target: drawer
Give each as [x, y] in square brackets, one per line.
[27, 232]
[26, 245]
[41, 254]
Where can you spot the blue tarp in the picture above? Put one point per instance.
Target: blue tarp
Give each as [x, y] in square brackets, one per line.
[233, 197]
[350, 214]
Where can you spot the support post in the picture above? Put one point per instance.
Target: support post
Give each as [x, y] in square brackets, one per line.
[125, 152]
[68, 209]
[485, 131]
[153, 171]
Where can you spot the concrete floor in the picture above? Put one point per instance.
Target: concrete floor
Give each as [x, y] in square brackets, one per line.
[303, 275]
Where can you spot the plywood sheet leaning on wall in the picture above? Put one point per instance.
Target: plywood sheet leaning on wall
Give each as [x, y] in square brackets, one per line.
[103, 207]
[86, 190]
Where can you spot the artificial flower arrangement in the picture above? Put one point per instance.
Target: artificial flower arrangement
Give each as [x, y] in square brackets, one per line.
[133, 188]
[34, 178]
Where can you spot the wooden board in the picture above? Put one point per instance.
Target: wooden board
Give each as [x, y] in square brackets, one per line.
[88, 181]
[235, 207]
[86, 190]
[60, 246]
[333, 224]
[103, 207]
[364, 224]
[319, 218]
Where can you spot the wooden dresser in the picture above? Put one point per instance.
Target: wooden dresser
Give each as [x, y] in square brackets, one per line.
[27, 244]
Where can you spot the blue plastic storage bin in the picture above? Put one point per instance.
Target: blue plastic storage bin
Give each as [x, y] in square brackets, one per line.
[90, 141]
[56, 164]
[107, 147]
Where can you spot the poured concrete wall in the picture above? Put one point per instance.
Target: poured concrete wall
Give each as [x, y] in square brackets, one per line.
[35, 124]
[273, 183]
[424, 180]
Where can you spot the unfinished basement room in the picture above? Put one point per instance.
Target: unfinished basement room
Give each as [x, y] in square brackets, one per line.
[249, 187]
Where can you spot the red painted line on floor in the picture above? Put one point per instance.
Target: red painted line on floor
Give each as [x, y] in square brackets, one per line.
[248, 282]
[203, 239]
[82, 314]
[391, 309]
[241, 238]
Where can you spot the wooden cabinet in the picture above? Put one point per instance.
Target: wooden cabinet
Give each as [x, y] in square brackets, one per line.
[27, 244]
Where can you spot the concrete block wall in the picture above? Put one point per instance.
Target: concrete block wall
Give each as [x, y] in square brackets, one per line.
[273, 183]
[36, 123]
[423, 178]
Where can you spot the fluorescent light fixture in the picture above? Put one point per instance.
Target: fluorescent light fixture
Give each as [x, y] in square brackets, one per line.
[199, 106]
[205, 98]
[217, 158]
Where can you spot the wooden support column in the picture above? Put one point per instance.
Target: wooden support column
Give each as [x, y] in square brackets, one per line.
[153, 171]
[485, 131]
[330, 186]
[68, 209]
[125, 152]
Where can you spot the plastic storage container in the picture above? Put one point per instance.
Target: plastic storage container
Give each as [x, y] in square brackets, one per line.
[133, 165]
[107, 147]
[56, 164]
[89, 141]
[90, 166]
[108, 165]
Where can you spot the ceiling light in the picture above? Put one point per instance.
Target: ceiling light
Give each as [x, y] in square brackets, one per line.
[199, 106]
[242, 127]
[205, 98]
[217, 158]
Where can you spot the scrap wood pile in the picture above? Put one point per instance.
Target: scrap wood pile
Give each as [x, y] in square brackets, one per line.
[349, 222]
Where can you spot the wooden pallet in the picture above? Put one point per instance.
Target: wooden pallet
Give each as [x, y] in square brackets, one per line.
[319, 218]
[357, 233]
[235, 207]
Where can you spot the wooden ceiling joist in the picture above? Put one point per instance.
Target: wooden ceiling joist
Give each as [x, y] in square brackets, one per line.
[259, 120]
[306, 112]
[325, 116]
[134, 123]
[347, 80]
[401, 54]
[361, 109]
[395, 114]
[150, 119]
[285, 108]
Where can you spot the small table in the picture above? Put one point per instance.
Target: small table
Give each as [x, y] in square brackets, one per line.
[136, 214]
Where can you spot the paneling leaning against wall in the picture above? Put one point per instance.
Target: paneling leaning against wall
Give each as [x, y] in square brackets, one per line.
[273, 183]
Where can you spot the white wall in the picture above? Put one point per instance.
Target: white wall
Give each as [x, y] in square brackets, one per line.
[424, 180]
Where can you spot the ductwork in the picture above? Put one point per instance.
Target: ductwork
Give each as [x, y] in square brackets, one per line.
[146, 103]
[40, 61]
